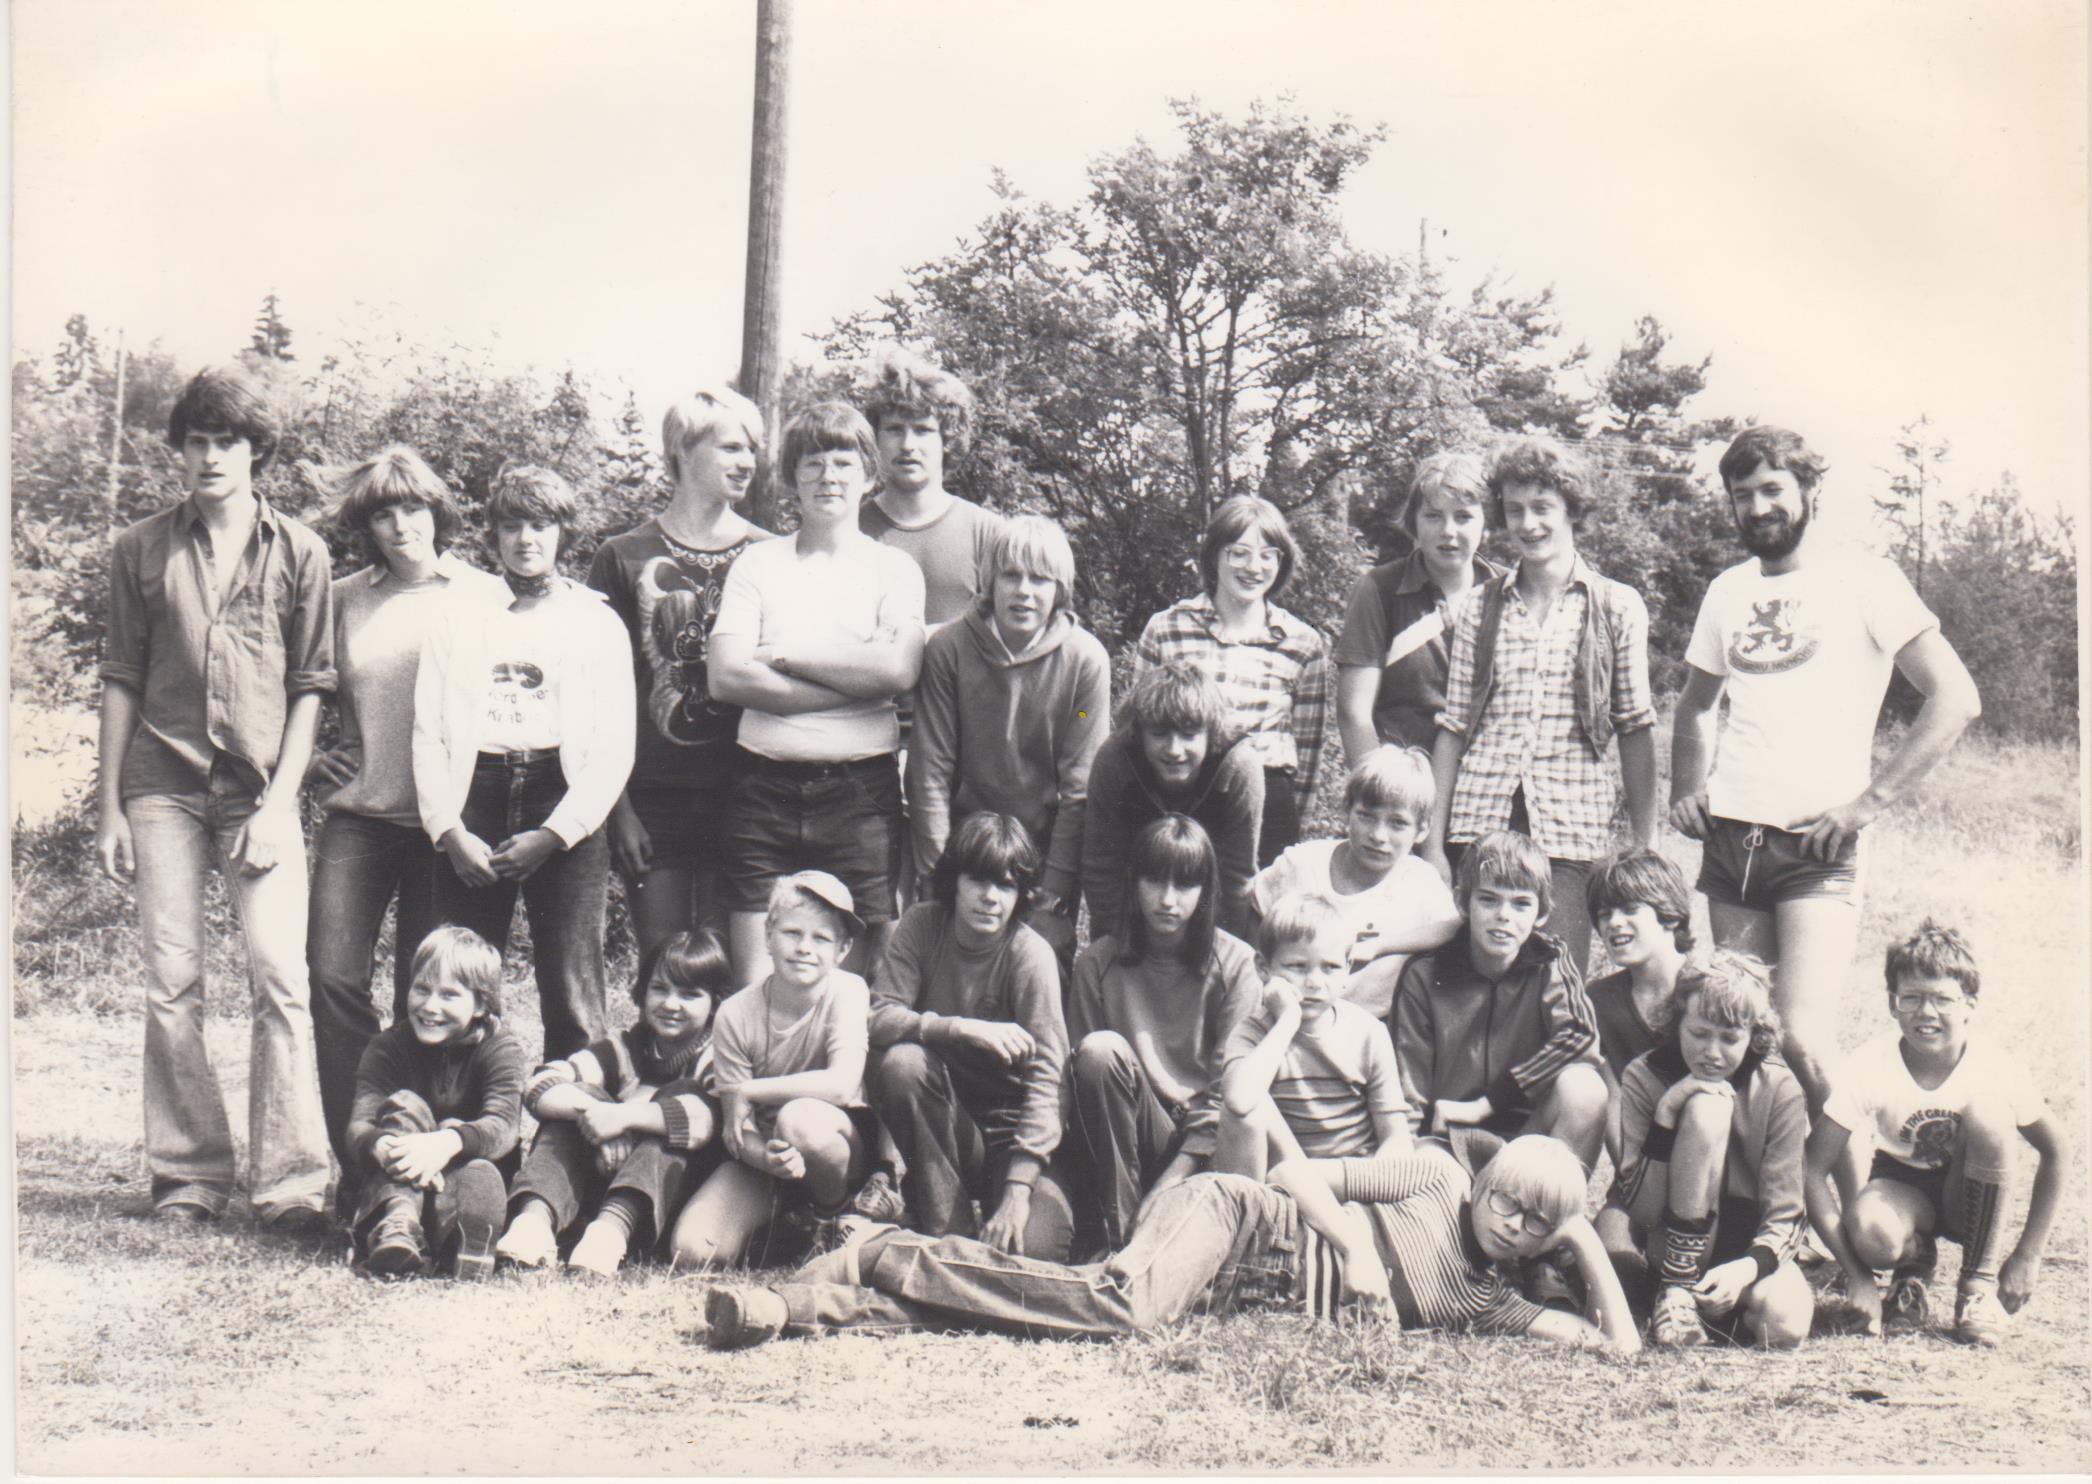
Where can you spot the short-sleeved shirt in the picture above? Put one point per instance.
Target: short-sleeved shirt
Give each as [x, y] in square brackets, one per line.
[746, 1045]
[214, 678]
[1873, 1092]
[949, 548]
[668, 595]
[1332, 1081]
[1622, 1033]
[1806, 656]
[1400, 624]
[1408, 897]
[774, 596]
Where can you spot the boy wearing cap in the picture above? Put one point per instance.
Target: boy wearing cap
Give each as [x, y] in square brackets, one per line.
[788, 1056]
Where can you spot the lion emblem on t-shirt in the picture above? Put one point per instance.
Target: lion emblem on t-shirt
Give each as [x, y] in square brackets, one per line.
[1774, 640]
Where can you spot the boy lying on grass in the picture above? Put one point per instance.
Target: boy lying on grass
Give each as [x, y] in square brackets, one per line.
[1944, 1114]
[1423, 1250]
[623, 1125]
[438, 1105]
[1710, 1172]
[1307, 1072]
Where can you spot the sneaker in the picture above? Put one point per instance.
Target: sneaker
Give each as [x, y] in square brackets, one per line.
[1676, 1321]
[481, 1195]
[880, 1199]
[600, 1252]
[1979, 1319]
[397, 1251]
[1907, 1308]
[739, 1317]
[529, 1242]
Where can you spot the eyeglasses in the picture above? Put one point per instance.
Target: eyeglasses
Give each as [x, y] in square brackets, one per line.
[1533, 1223]
[1252, 556]
[1929, 1001]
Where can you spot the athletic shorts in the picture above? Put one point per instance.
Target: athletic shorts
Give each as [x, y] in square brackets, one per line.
[686, 826]
[1757, 866]
[843, 818]
[1931, 1183]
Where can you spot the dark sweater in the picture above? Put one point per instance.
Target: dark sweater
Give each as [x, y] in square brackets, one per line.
[1226, 797]
[474, 1087]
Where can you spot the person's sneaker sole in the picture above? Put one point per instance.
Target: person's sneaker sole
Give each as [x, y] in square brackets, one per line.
[728, 1323]
[397, 1260]
[482, 1201]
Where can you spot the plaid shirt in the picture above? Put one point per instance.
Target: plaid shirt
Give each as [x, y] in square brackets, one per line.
[1278, 686]
[1528, 734]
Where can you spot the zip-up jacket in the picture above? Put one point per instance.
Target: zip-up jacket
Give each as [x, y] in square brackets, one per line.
[1459, 1035]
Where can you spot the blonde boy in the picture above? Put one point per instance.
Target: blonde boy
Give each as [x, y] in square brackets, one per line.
[1394, 902]
[1307, 1072]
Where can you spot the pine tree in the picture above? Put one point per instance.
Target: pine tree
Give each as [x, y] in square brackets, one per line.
[272, 337]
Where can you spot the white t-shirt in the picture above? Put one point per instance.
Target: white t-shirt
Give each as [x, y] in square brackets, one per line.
[1807, 656]
[1873, 1092]
[1407, 898]
[774, 596]
[523, 682]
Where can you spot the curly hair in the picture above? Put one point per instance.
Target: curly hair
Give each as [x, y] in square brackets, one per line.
[1776, 448]
[897, 381]
[1546, 464]
[1730, 989]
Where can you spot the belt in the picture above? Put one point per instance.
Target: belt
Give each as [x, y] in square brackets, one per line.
[528, 757]
[777, 767]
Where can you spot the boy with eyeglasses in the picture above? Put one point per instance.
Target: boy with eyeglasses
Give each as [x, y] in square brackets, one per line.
[1945, 1113]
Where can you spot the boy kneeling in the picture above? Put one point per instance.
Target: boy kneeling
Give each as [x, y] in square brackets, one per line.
[1710, 1173]
[438, 1103]
[1942, 1112]
[1219, 1242]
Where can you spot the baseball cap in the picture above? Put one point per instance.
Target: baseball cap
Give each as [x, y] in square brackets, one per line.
[824, 888]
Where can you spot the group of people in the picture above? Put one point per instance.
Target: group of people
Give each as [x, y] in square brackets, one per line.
[862, 781]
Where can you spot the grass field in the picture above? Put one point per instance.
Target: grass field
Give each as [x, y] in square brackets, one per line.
[223, 1351]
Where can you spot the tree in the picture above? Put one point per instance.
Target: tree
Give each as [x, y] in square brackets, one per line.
[272, 337]
[1911, 485]
[77, 355]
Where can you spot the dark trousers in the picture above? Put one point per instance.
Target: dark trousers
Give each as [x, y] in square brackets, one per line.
[954, 1117]
[1124, 1133]
[470, 1197]
[1279, 829]
[566, 900]
[360, 865]
[561, 1170]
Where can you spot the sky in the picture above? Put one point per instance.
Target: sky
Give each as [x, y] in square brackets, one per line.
[1862, 211]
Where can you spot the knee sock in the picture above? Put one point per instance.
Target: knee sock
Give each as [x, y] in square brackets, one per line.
[1982, 1225]
[1685, 1244]
[625, 1211]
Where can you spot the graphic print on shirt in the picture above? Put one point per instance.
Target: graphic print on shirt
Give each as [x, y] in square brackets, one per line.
[1932, 1133]
[518, 694]
[676, 613]
[1776, 639]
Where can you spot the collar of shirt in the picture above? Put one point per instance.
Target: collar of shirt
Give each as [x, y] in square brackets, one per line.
[1580, 575]
[189, 515]
[1456, 960]
[1281, 624]
[448, 566]
[1415, 576]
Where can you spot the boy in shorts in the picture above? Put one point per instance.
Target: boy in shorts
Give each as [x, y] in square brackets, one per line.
[1423, 1248]
[1944, 1112]
[665, 578]
[220, 644]
[1493, 1034]
[818, 633]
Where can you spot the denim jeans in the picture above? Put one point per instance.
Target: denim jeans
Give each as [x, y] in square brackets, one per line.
[188, 1138]
[359, 866]
[561, 1171]
[566, 899]
[471, 1193]
[954, 1116]
[1211, 1243]
[1121, 1131]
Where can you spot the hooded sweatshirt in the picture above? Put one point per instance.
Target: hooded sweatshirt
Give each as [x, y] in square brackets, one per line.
[1226, 796]
[1012, 734]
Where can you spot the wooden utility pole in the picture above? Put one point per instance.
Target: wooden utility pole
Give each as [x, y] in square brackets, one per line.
[761, 372]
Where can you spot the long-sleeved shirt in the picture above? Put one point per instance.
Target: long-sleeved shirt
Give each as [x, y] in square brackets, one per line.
[1226, 797]
[214, 675]
[1768, 1127]
[596, 710]
[1459, 1035]
[632, 1065]
[928, 979]
[1187, 1015]
[1279, 686]
[474, 1087]
[1012, 734]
